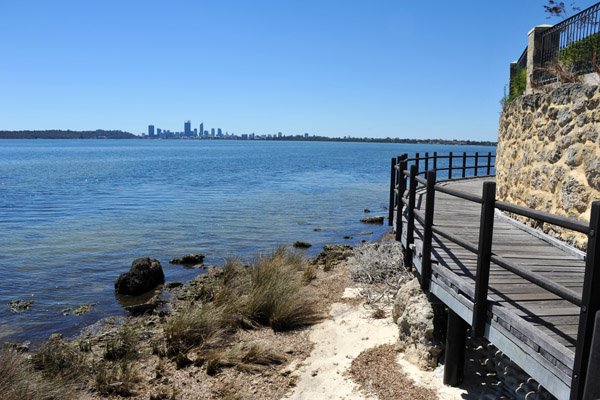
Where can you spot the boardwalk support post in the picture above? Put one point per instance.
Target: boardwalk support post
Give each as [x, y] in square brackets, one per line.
[392, 188]
[486, 229]
[454, 361]
[410, 223]
[590, 300]
[427, 231]
[592, 386]
[400, 197]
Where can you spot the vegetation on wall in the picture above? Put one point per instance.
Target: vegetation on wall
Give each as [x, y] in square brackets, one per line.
[516, 88]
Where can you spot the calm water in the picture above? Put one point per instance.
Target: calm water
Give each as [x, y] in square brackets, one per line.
[74, 214]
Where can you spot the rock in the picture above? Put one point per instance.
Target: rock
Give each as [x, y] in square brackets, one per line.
[83, 309]
[366, 233]
[190, 259]
[302, 245]
[172, 285]
[182, 361]
[415, 318]
[347, 237]
[145, 274]
[19, 305]
[17, 347]
[146, 308]
[318, 230]
[332, 255]
[367, 210]
[56, 336]
[373, 220]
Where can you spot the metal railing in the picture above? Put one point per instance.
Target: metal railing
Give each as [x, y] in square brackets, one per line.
[404, 184]
[571, 43]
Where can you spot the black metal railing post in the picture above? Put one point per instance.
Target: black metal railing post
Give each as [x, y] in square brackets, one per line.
[489, 166]
[591, 388]
[410, 218]
[476, 163]
[435, 160]
[417, 160]
[392, 189]
[450, 166]
[400, 197]
[464, 167]
[426, 161]
[484, 253]
[427, 231]
[590, 300]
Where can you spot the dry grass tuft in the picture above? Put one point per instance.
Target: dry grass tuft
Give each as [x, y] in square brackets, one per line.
[246, 357]
[122, 345]
[18, 381]
[60, 361]
[278, 296]
[194, 327]
[117, 378]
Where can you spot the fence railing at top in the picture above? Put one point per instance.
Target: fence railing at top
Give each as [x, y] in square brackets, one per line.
[404, 182]
[572, 43]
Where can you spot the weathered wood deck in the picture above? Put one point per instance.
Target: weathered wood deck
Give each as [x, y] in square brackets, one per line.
[532, 326]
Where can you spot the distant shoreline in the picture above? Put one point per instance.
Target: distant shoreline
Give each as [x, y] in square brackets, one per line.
[102, 134]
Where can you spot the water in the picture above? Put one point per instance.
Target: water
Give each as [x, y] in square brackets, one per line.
[74, 214]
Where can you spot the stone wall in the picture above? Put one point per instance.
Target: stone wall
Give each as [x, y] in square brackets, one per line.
[548, 155]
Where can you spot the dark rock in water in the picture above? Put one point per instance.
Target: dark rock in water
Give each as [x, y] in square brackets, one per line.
[172, 285]
[19, 305]
[302, 245]
[373, 220]
[362, 240]
[367, 210]
[347, 237]
[190, 259]
[145, 274]
[366, 233]
[318, 230]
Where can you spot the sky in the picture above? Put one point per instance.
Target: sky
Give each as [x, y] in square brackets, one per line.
[372, 68]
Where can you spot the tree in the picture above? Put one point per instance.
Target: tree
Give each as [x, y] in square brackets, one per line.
[559, 9]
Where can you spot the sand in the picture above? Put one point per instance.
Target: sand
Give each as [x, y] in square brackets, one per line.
[340, 339]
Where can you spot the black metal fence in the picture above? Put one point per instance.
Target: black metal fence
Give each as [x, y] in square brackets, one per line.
[570, 45]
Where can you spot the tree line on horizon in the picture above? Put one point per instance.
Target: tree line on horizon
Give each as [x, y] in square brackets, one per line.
[68, 134]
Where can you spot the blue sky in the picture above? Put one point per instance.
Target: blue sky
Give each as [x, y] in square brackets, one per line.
[333, 68]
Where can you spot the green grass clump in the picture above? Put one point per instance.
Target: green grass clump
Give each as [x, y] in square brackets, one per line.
[18, 381]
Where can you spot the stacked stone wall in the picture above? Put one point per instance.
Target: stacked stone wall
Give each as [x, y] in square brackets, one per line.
[548, 155]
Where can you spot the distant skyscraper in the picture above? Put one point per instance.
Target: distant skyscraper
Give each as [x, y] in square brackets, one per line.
[187, 128]
[219, 132]
[151, 130]
[201, 129]
[212, 132]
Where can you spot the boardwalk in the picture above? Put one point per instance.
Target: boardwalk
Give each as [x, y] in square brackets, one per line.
[532, 326]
